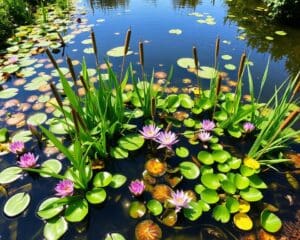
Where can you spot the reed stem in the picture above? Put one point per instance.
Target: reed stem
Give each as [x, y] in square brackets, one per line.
[141, 55]
[126, 47]
[217, 50]
[196, 62]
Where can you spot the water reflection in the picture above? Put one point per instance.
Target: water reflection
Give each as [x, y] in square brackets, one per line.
[109, 4]
[186, 3]
[260, 33]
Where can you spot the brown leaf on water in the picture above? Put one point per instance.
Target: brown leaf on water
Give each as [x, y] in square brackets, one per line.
[263, 235]
[292, 181]
[295, 158]
[250, 236]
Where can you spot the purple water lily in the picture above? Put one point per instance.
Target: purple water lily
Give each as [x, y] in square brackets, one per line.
[248, 127]
[166, 139]
[28, 160]
[204, 136]
[180, 200]
[137, 187]
[150, 132]
[64, 188]
[17, 147]
[208, 125]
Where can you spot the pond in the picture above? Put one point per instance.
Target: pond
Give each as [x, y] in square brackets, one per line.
[168, 30]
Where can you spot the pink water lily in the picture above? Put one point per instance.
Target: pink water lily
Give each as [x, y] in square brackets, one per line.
[137, 187]
[64, 188]
[208, 125]
[180, 200]
[204, 136]
[248, 127]
[166, 139]
[28, 160]
[17, 147]
[150, 132]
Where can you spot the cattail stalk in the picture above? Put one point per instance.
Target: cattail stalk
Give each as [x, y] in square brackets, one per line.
[53, 61]
[297, 87]
[56, 94]
[217, 49]
[289, 119]
[141, 55]
[126, 47]
[153, 107]
[80, 120]
[75, 120]
[34, 131]
[196, 62]
[242, 65]
[83, 84]
[219, 81]
[94, 46]
[62, 41]
[71, 68]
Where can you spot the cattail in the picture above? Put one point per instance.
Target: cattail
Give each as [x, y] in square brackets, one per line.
[289, 119]
[242, 65]
[80, 120]
[127, 41]
[71, 68]
[52, 58]
[141, 53]
[83, 83]
[34, 131]
[62, 41]
[56, 94]
[75, 120]
[153, 107]
[297, 87]
[94, 46]
[219, 84]
[217, 48]
[195, 54]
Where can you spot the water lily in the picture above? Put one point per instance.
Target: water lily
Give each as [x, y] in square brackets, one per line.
[248, 127]
[137, 187]
[251, 163]
[208, 125]
[17, 147]
[204, 136]
[64, 188]
[150, 132]
[28, 160]
[13, 59]
[180, 200]
[166, 139]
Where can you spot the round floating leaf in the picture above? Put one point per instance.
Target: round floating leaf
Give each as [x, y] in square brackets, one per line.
[186, 62]
[242, 221]
[182, 152]
[76, 211]
[246, 171]
[117, 52]
[228, 187]
[210, 196]
[12, 68]
[37, 119]
[46, 211]
[137, 209]
[241, 182]
[270, 221]
[269, 38]
[221, 156]
[63, 70]
[8, 93]
[114, 236]
[175, 31]
[205, 157]
[232, 204]
[102, 179]
[207, 72]
[96, 195]
[251, 194]
[193, 212]
[117, 181]
[234, 163]
[58, 128]
[226, 57]
[155, 207]
[10, 174]
[16, 204]
[189, 170]
[27, 62]
[189, 122]
[55, 228]
[206, 170]
[244, 206]
[211, 181]
[257, 182]
[52, 166]
[221, 213]
[118, 153]
[204, 206]
[223, 167]
[186, 101]
[87, 41]
[88, 50]
[281, 33]
[230, 67]
[131, 142]
[24, 136]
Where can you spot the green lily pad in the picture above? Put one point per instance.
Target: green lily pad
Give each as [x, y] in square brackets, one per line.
[221, 116]
[58, 128]
[210, 196]
[221, 156]
[186, 101]
[189, 122]
[257, 182]
[96, 195]
[211, 181]
[230, 67]
[137, 209]
[246, 171]
[16, 204]
[228, 187]
[88, 50]
[52, 166]
[232, 204]
[102, 179]
[12, 68]
[175, 31]
[117, 181]
[37, 119]
[8, 93]
[221, 213]
[189, 170]
[269, 38]
[118, 153]
[182, 152]
[114, 236]
[281, 33]
[27, 72]
[63, 70]
[44, 210]
[55, 228]
[234, 163]
[204, 205]
[205, 157]
[223, 167]
[3, 135]
[76, 211]
[10, 174]
[131, 142]
[193, 212]
[22, 135]
[251, 194]
[207, 72]
[27, 62]
[117, 52]
[226, 57]
[241, 182]
[155, 207]
[87, 41]
[270, 221]
[12, 49]
[186, 62]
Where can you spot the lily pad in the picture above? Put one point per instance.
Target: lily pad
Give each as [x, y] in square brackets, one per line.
[193, 212]
[270, 221]
[118, 153]
[230, 67]
[55, 228]
[117, 181]
[207, 72]
[37, 119]
[52, 166]
[22, 135]
[241, 182]
[44, 210]
[281, 33]
[210, 196]
[186, 62]
[257, 182]
[8, 93]
[96, 195]
[221, 213]
[137, 209]
[114, 236]
[232, 204]
[117, 52]
[10, 174]
[182, 152]
[221, 156]
[251, 194]
[242, 221]
[102, 179]
[175, 31]
[131, 142]
[76, 211]
[16, 204]
[189, 170]
[155, 207]
[12, 68]
[211, 181]
[205, 157]
[228, 187]
[226, 57]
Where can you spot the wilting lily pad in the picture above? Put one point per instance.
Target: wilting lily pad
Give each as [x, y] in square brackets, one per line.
[76, 211]
[270, 221]
[47, 212]
[55, 228]
[102, 179]
[169, 217]
[230, 67]
[182, 152]
[117, 52]
[10, 174]
[137, 209]
[131, 142]
[51, 166]
[8, 93]
[221, 213]
[117, 181]
[114, 236]
[155, 167]
[96, 195]
[37, 119]
[155, 207]
[175, 31]
[16, 204]
[189, 170]
[148, 230]
[243, 221]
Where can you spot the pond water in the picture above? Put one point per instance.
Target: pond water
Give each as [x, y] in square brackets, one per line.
[198, 24]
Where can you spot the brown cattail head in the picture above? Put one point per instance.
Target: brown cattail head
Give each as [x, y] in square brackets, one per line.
[75, 120]
[141, 53]
[71, 68]
[289, 119]
[83, 83]
[62, 41]
[49, 54]
[242, 65]
[94, 46]
[127, 41]
[56, 94]
[195, 55]
[217, 48]
[80, 120]
[153, 107]
[219, 81]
